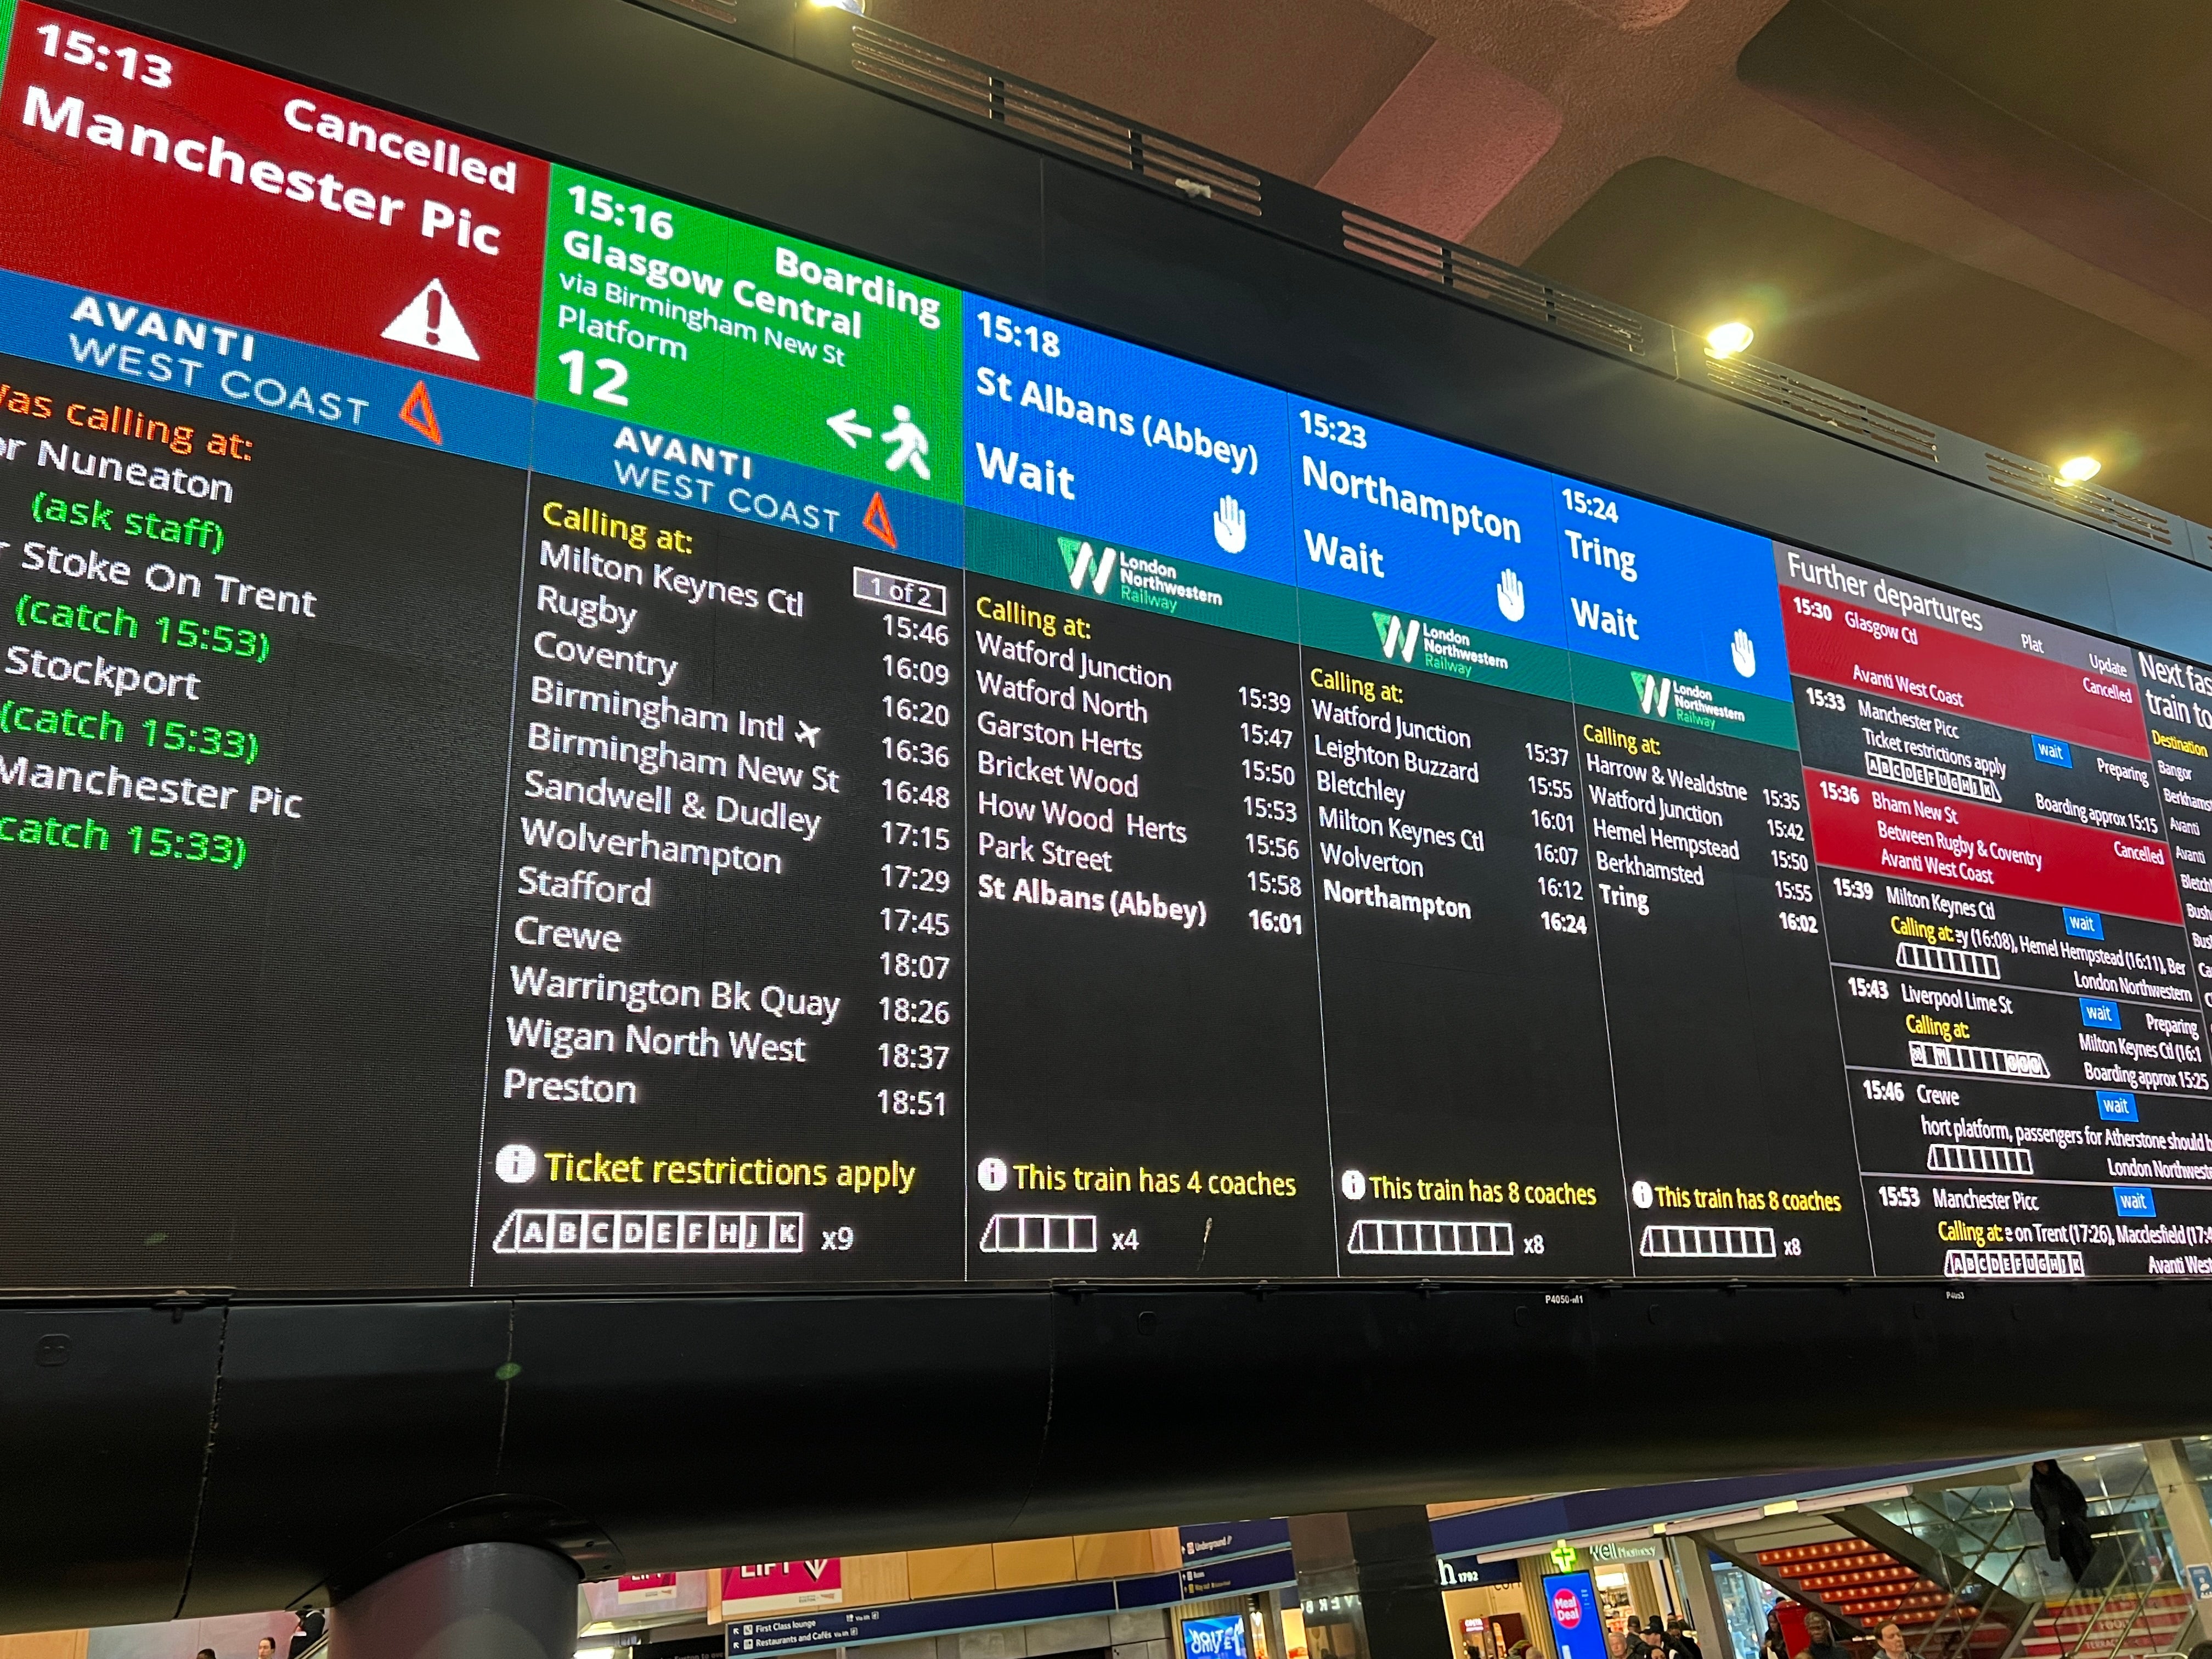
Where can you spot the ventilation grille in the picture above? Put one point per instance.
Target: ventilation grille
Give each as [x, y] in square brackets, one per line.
[1500, 287]
[2082, 501]
[1818, 403]
[983, 94]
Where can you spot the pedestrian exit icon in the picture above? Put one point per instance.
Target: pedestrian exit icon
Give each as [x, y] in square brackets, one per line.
[909, 442]
[430, 321]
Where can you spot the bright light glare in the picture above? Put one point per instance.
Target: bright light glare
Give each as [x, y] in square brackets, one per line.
[1730, 338]
[858, 7]
[2080, 468]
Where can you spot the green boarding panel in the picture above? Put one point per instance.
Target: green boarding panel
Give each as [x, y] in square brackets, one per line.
[1404, 640]
[668, 316]
[1697, 705]
[1098, 569]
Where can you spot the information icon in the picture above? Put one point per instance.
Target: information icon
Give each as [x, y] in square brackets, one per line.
[1353, 1185]
[516, 1163]
[1641, 1192]
[991, 1174]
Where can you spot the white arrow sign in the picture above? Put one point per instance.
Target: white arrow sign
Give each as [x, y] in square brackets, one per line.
[848, 428]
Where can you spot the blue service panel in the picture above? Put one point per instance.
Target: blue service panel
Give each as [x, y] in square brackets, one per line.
[1651, 586]
[1097, 437]
[1392, 517]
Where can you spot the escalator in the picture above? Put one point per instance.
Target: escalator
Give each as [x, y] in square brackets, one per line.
[1965, 1574]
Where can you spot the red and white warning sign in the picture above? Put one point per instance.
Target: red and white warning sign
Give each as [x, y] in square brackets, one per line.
[431, 322]
[281, 207]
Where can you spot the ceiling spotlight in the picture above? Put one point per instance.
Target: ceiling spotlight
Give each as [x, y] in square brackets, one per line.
[1730, 338]
[858, 7]
[2080, 469]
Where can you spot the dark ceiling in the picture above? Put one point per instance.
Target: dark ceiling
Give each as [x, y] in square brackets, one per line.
[1996, 215]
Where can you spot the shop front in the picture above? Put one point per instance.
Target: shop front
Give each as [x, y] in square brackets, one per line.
[1496, 1608]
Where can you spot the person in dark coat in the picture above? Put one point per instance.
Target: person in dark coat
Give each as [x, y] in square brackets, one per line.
[1821, 1639]
[2065, 1512]
[1680, 1644]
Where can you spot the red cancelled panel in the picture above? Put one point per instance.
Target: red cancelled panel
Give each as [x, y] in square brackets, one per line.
[1888, 831]
[1832, 640]
[137, 169]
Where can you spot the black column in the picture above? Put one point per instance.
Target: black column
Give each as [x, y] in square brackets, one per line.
[1399, 1589]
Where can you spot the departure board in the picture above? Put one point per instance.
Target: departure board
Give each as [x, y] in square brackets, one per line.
[554, 738]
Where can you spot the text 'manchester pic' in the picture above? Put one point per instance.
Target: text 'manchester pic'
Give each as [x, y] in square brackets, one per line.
[134, 168]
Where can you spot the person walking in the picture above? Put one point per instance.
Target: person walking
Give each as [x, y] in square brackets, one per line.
[1821, 1639]
[1680, 1643]
[2059, 1504]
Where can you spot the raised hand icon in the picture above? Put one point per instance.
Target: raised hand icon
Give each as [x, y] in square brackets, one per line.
[1229, 525]
[1512, 597]
[1744, 655]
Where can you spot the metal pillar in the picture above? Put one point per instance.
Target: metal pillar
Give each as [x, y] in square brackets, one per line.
[478, 1601]
[1693, 1567]
[2190, 1526]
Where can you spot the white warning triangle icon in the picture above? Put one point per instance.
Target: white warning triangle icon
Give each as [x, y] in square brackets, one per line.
[431, 322]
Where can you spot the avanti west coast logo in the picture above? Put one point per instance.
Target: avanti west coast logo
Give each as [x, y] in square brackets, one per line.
[1684, 703]
[1144, 579]
[1085, 564]
[1437, 647]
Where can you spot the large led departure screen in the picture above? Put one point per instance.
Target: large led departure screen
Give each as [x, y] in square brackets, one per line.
[554, 738]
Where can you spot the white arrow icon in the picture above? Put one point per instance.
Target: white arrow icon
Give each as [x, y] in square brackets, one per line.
[848, 427]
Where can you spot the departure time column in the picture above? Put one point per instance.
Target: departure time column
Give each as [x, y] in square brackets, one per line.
[918, 1000]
